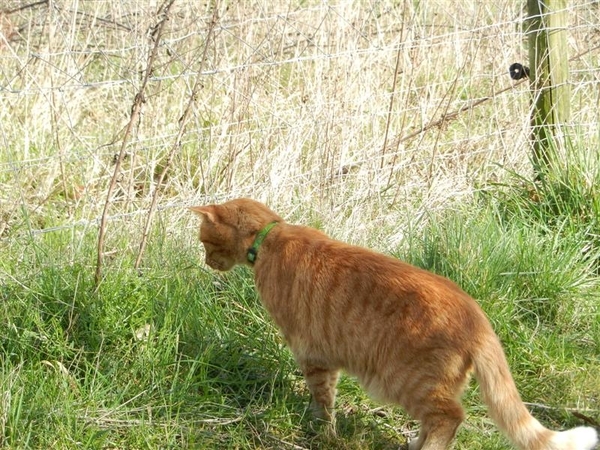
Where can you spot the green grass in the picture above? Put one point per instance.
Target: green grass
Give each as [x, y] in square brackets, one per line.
[181, 357]
[295, 102]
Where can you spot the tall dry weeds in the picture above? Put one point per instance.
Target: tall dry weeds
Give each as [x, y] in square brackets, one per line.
[361, 113]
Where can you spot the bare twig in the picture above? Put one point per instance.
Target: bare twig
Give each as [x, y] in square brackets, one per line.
[155, 33]
[102, 20]
[391, 105]
[23, 7]
[575, 411]
[449, 116]
[108, 422]
[586, 419]
[449, 93]
[183, 121]
[53, 102]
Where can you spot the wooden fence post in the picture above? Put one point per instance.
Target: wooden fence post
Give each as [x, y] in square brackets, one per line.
[549, 71]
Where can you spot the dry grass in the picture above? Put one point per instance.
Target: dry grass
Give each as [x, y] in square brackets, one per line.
[298, 107]
[364, 118]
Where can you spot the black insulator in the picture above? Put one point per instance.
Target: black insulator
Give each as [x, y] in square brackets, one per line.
[518, 71]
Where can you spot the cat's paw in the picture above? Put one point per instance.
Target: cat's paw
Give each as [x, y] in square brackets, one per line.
[329, 429]
[321, 412]
[324, 428]
[323, 419]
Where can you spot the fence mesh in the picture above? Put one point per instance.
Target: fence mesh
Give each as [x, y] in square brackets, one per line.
[337, 105]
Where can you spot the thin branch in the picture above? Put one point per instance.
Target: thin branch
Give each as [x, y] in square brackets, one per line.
[454, 114]
[155, 33]
[586, 419]
[24, 7]
[555, 408]
[100, 19]
[449, 116]
[183, 121]
[108, 422]
[575, 411]
[390, 106]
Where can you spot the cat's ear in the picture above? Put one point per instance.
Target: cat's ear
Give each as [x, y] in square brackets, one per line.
[207, 212]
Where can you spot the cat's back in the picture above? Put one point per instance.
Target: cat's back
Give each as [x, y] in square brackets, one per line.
[344, 301]
[304, 263]
[307, 250]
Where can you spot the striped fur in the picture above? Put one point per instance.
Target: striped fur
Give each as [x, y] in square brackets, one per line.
[410, 337]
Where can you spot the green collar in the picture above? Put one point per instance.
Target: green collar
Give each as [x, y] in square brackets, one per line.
[260, 237]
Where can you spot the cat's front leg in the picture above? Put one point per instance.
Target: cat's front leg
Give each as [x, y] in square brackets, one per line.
[322, 384]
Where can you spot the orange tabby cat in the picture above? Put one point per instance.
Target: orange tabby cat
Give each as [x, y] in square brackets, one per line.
[410, 337]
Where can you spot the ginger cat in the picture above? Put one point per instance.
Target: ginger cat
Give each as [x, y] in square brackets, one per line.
[410, 337]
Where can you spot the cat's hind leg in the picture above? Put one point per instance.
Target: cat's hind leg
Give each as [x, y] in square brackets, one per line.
[439, 426]
[322, 384]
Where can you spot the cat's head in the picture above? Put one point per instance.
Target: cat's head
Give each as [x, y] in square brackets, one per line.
[228, 230]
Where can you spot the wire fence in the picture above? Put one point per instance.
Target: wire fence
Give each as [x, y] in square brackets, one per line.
[335, 105]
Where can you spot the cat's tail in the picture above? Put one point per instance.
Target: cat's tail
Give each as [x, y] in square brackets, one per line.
[510, 414]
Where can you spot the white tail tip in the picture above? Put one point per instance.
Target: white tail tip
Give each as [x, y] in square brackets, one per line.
[580, 438]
